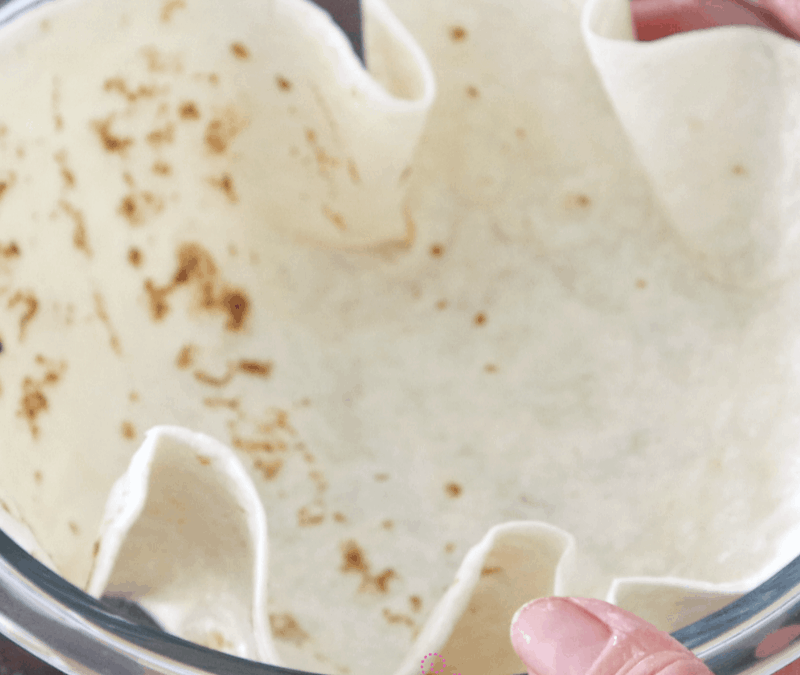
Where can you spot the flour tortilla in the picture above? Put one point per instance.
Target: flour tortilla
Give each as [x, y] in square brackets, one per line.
[524, 346]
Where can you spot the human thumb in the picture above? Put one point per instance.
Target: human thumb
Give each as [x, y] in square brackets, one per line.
[582, 636]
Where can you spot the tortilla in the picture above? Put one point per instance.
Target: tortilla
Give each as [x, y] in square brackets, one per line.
[525, 347]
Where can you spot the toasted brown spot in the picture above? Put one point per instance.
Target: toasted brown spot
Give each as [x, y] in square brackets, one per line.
[739, 170]
[520, 133]
[128, 431]
[205, 461]
[240, 51]
[490, 368]
[66, 174]
[416, 603]
[453, 489]
[169, 8]
[353, 558]
[405, 174]
[437, 250]
[134, 256]
[161, 136]
[118, 85]
[387, 524]
[112, 143]
[138, 207]
[305, 518]
[221, 130]
[339, 517]
[257, 368]
[283, 83]
[37, 476]
[352, 169]
[225, 184]
[641, 283]
[185, 357]
[488, 571]
[10, 250]
[397, 618]
[188, 111]
[472, 92]
[441, 304]
[255, 445]
[33, 401]
[79, 238]
[449, 547]
[380, 477]
[285, 627]
[457, 33]
[133, 396]
[157, 298]
[95, 549]
[211, 380]
[237, 306]
[479, 319]
[219, 402]
[160, 62]
[578, 200]
[269, 469]
[31, 305]
[73, 527]
[161, 169]
[335, 218]
[102, 314]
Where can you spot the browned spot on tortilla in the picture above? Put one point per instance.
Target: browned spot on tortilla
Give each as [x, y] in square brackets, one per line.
[55, 100]
[473, 92]
[488, 571]
[437, 250]
[133, 396]
[161, 169]
[137, 207]
[381, 582]
[578, 200]
[490, 368]
[169, 8]
[134, 256]
[111, 142]
[73, 527]
[449, 547]
[405, 174]
[225, 184]
[10, 250]
[416, 603]
[220, 402]
[160, 62]
[79, 238]
[285, 627]
[453, 489]
[520, 133]
[205, 461]
[457, 33]
[189, 111]
[31, 304]
[240, 51]
[339, 517]
[128, 430]
[33, 401]
[185, 357]
[387, 524]
[257, 368]
[102, 314]
[236, 304]
[335, 218]
[211, 380]
[66, 174]
[269, 469]
[157, 298]
[119, 86]
[353, 558]
[397, 618]
[283, 83]
[441, 304]
[221, 130]
[161, 136]
[352, 169]
[95, 549]
[256, 445]
[6, 183]
[305, 518]
[380, 477]
[641, 283]
[479, 319]
[37, 476]
[739, 170]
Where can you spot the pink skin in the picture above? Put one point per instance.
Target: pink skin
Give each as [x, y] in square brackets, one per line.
[582, 636]
[654, 19]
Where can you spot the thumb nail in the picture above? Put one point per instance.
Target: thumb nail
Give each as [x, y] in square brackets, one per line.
[554, 636]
